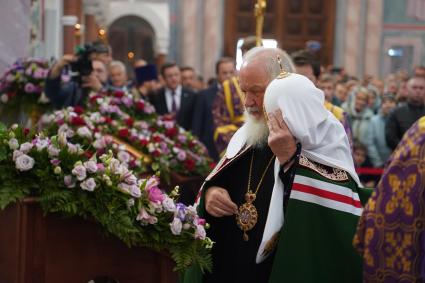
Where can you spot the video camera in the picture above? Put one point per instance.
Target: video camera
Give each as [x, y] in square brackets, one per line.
[83, 66]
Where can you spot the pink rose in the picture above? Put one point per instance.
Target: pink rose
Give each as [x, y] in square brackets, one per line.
[155, 195]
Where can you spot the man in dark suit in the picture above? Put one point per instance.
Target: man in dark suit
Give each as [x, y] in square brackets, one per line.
[204, 125]
[173, 98]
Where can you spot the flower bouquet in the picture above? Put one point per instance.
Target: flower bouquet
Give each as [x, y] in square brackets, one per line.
[116, 116]
[22, 90]
[67, 180]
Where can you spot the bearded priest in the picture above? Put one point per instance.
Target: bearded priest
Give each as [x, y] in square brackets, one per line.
[284, 201]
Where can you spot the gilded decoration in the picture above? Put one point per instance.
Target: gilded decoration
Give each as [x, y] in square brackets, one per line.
[331, 173]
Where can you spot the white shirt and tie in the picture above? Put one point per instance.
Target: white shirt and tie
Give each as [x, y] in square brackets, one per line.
[176, 96]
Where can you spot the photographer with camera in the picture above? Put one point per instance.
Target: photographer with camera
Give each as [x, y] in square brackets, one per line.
[73, 77]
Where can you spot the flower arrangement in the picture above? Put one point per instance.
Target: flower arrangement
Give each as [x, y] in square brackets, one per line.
[116, 115]
[68, 180]
[24, 81]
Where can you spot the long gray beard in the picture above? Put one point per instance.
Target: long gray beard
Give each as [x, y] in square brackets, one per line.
[257, 131]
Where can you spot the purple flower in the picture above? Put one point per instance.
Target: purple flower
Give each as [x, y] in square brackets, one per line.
[55, 162]
[182, 138]
[200, 221]
[180, 211]
[29, 88]
[39, 74]
[181, 155]
[69, 181]
[100, 167]
[127, 101]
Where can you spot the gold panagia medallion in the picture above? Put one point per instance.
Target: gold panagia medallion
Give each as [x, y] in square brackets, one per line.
[247, 215]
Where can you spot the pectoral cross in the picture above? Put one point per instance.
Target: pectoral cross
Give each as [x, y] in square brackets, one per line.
[259, 10]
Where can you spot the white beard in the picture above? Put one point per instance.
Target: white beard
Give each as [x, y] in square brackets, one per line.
[257, 131]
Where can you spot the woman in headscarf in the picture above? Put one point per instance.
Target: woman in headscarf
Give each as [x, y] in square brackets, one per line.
[391, 232]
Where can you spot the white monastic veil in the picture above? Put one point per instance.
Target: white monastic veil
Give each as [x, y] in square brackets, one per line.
[322, 136]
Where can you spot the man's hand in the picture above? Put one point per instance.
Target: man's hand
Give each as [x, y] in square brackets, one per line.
[218, 202]
[280, 140]
[91, 82]
[56, 70]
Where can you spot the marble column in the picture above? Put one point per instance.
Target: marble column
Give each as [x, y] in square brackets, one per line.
[212, 35]
[190, 43]
[373, 37]
[352, 37]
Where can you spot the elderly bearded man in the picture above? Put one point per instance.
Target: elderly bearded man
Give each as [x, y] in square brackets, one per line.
[283, 202]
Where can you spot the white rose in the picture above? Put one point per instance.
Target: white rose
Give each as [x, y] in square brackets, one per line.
[80, 172]
[41, 144]
[13, 144]
[4, 98]
[84, 132]
[26, 147]
[88, 185]
[123, 156]
[72, 148]
[176, 226]
[53, 151]
[135, 191]
[24, 162]
[169, 204]
[91, 166]
[16, 154]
